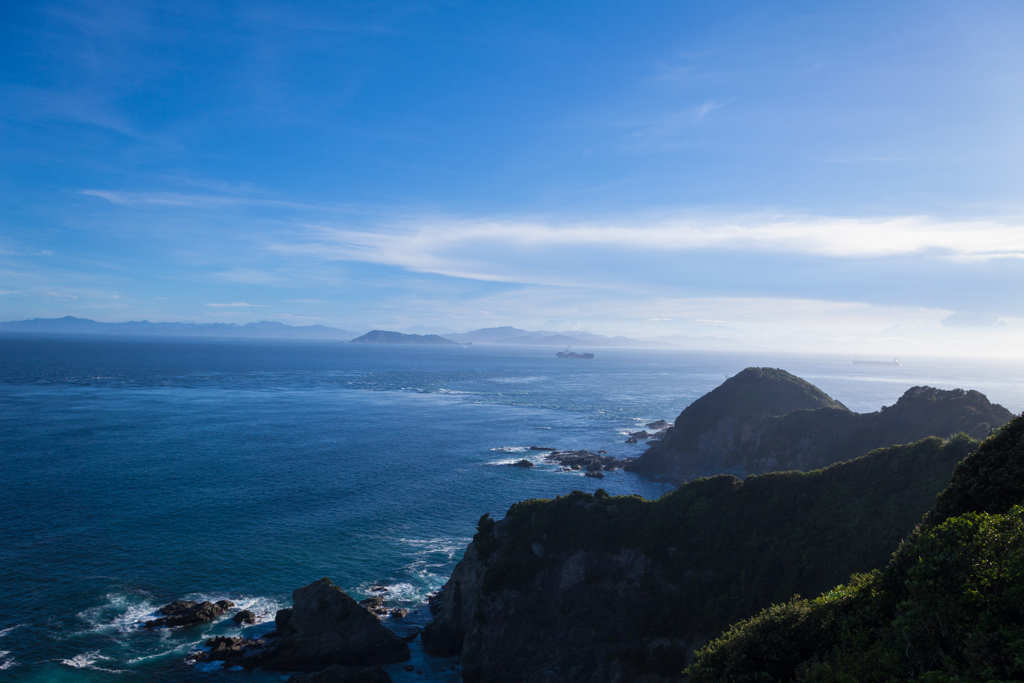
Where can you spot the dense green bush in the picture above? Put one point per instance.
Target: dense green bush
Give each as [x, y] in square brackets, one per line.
[948, 607]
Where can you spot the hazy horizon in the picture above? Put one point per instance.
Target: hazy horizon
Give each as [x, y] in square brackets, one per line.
[841, 178]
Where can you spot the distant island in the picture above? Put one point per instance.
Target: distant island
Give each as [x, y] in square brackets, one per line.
[386, 337]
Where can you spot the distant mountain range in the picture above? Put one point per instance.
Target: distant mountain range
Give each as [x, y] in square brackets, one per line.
[273, 330]
[264, 329]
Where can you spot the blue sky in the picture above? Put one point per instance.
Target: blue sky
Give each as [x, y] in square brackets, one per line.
[792, 175]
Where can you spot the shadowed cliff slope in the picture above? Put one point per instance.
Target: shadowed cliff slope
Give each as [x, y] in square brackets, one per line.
[600, 588]
[767, 420]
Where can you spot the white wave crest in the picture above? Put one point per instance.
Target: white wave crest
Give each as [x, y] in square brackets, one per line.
[6, 660]
[119, 614]
[5, 631]
[88, 661]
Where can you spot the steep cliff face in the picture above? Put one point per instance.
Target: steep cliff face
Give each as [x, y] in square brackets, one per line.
[600, 588]
[766, 420]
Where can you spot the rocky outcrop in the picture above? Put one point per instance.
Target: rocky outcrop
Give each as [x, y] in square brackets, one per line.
[244, 617]
[767, 420]
[189, 613]
[598, 588]
[233, 651]
[325, 627]
[585, 460]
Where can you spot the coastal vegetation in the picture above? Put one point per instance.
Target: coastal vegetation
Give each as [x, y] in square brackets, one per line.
[949, 605]
[592, 586]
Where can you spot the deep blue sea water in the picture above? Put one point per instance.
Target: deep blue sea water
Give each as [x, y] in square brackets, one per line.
[137, 472]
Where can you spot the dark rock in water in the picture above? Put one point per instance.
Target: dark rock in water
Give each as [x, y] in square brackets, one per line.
[411, 635]
[660, 424]
[522, 463]
[631, 439]
[189, 613]
[229, 649]
[408, 667]
[399, 613]
[541, 448]
[594, 474]
[244, 617]
[327, 627]
[378, 589]
[577, 460]
[642, 434]
[344, 674]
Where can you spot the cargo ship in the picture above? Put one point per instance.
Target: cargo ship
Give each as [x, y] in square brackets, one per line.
[572, 354]
[894, 361]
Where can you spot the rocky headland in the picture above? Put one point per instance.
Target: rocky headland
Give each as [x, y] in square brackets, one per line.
[601, 588]
[767, 420]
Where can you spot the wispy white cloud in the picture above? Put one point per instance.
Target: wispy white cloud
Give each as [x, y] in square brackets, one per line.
[704, 109]
[237, 304]
[493, 250]
[198, 201]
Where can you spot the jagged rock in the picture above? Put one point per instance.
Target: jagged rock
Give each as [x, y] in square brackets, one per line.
[399, 613]
[230, 648]
[577, 460]
[642, 434]
[631, 439]
[594, 474]
[244, 617]
[659, 424]
[189, 613]
[522, 463]
[372, 603]
[326, 627]
[541, 448]
[344, 674]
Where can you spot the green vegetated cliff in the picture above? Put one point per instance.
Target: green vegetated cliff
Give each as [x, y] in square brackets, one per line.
[767, 420]
[949, 606]
[600, 588]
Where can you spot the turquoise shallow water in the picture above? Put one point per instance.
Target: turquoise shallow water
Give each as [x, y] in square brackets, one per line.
[139, 472]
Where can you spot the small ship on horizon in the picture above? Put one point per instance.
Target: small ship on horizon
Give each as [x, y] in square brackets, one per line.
[572, 354]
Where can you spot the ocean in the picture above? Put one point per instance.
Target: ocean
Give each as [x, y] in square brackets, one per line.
[138, 472]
